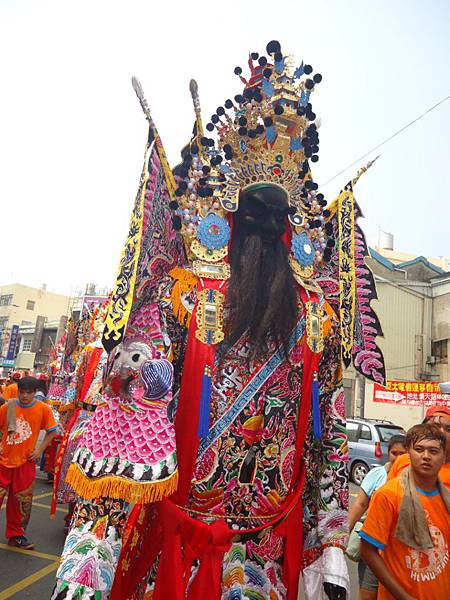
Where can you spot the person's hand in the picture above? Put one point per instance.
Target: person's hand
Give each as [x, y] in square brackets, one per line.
[35, 455]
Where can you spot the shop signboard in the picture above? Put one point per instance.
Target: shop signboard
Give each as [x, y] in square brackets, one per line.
[12, 343]
[411, 393]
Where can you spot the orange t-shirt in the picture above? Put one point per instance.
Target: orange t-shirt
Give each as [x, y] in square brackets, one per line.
[29, 422]
[404, 461]
[424, 574]
[11, 391]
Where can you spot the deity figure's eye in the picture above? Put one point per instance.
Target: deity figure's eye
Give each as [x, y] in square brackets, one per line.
[135, 358]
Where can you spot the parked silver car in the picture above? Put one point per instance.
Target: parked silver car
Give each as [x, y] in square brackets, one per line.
[367, 445]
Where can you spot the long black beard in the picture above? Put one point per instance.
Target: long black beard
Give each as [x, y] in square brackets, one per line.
[262, 296]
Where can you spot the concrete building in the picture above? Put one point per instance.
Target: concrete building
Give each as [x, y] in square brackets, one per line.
[33, 356]
[25, 305]
[440, 349]
[22, 303]
[36, 339]
[414, 310]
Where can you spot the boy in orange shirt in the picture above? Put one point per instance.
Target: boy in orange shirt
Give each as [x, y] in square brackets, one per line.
[409, 521]
[21, 421]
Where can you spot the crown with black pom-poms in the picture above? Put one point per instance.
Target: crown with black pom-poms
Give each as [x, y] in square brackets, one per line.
[266, 134]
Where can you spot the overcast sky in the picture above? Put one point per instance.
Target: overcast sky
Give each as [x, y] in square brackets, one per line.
[72, 133]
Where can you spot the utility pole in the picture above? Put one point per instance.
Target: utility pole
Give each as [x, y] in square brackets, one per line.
[359, 395]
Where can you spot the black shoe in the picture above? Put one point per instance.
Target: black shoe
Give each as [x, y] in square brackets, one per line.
[21, 541]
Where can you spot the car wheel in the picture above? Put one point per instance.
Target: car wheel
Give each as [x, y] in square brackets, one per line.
[359, 471]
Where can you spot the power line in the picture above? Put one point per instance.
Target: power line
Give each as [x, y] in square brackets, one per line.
[358, 160]
[404, 367]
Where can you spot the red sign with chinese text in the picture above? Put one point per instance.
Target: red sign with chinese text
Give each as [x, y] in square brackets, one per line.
[411, 393]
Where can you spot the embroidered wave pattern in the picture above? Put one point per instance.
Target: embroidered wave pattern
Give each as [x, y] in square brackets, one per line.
[367, 357]
[243, 579]
[91, 550]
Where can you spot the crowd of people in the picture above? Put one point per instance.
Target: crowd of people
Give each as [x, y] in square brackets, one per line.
[58, 402]
[405, 535]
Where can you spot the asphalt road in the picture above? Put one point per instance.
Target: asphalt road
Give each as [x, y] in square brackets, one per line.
[26, 574]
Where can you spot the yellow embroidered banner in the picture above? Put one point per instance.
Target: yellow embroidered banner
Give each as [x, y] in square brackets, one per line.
[122, 298]
[347, 272]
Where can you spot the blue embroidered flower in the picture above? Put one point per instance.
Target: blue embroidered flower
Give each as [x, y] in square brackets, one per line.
[213, 232]
[302, 249]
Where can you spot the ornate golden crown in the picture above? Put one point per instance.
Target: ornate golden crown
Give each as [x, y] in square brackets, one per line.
[268, 134]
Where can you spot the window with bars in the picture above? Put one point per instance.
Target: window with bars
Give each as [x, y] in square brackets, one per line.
[6, 300]
[27, 345]
[30, 304]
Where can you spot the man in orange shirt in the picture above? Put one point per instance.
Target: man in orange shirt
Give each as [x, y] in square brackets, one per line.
[409, 522]
[21, 421]
[441, 416]
[11, 390]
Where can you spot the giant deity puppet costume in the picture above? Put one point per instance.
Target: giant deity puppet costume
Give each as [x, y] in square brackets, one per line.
[80, 397]
[240, 297]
